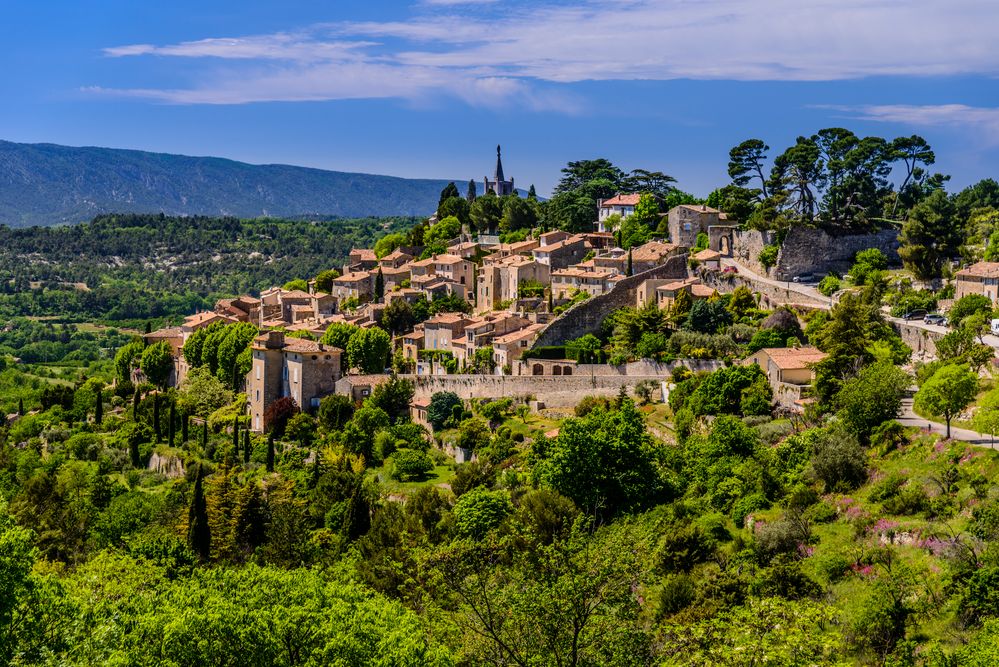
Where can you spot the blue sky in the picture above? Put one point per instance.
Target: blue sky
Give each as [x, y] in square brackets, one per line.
[427, 88]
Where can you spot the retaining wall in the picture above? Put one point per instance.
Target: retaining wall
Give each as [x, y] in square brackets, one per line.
[586, 317]
[810, 250]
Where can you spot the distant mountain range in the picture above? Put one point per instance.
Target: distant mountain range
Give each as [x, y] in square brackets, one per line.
[47, 184]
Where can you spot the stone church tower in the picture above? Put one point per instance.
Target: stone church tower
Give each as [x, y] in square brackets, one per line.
[499, 184]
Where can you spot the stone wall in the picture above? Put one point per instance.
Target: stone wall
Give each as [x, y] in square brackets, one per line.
[747, 245]
[771, 295]
[585, 317]
[922, 341]
[562, 391]
[809, 250]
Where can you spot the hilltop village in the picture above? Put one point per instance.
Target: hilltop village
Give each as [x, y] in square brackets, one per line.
[465, 303]
[761, 420]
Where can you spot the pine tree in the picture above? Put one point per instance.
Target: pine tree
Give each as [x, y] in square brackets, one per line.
[199, 536]
[171, 429]
[20, 407]
[156, 416]
[532, 193]
[270, 452]
[99, 407]
[246, 445]
[379, 285]
[471, 191]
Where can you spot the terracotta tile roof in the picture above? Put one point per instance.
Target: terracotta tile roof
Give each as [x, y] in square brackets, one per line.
[200, 319]
[357, 276]
[652, 251]
[519, 334]
[707, 255]
[446, 318]
[295, 294]
[701, 291]
[429, 261]
[980, 270]
[449, 259]
[420, 403]
[169, 332]
[395, 254]
[787, 358]
[700, 208]
[558, 245]
[621, 200]
[363, 254]
[580, 273]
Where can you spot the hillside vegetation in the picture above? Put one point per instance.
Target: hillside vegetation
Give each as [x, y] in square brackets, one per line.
[47, 184]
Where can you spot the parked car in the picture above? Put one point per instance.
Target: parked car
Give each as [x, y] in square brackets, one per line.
[935, 318]
[914, 315]
[804, 278]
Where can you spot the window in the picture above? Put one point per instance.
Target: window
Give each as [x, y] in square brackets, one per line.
[258, 370]
[294, 375]
[257, 423]
[686, 226]
[258, 395]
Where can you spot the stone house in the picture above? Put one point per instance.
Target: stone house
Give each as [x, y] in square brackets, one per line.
[509, 347]
[441, 329]
[455, 269]
[412, 343]
[395, 259]
[421, 271]
[499, 280]
[980, 278]
[242, 308]
[360, 259]
[359, 285]
[621, 204]
[302, 369]
[393, 277]
[560, 254]
[709, 259]
[481, 331]
[650, 255]
[666, 294]
[790, 370]
[566, 282]
[686, 221]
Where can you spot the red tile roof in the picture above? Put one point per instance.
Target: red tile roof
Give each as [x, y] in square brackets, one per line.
[621, 200]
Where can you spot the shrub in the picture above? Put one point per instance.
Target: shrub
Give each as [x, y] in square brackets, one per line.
[838, 461]
[829, 285]
[409, 465]
[768, 256]
[479, 511]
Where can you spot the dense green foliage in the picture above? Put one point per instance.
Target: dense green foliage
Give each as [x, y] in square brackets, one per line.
[152, 266]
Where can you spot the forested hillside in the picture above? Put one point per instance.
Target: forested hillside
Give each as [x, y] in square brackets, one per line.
[132, 267]
[47, 184]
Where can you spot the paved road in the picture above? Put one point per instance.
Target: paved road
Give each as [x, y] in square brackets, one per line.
[808, 291]
[910, 418]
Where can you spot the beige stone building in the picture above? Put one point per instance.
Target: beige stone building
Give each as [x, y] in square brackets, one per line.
[560, 254]
[509, 347]
[441, 329]
[622, 205]
[500, 279]
[302, 369]
[981, 278]
[688, 220]
[359, 285]
[593, 281]
[790, 370]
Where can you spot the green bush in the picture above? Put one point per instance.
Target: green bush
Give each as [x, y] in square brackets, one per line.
[410, 465]
[768, 256]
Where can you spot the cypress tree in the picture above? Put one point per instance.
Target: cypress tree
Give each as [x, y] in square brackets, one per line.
[199, 536]
[551, 300]
[99, 407]
[185, 423]
[156, 416]
[171, 429]
[204, 437]
[629, 262]
[133, 452]
[316, 470]
[270, 452]
[471, 191]
[149, 326]
[246, 445]
[135, 405]
[379, 285]
[532, 193]
[357, 518]
[20, 406]
[235, 436]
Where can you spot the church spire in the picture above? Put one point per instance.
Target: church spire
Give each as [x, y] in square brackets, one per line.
[498, 176]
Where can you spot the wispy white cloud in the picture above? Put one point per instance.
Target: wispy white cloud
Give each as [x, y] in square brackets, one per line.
[470, 53]
[984, 121]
